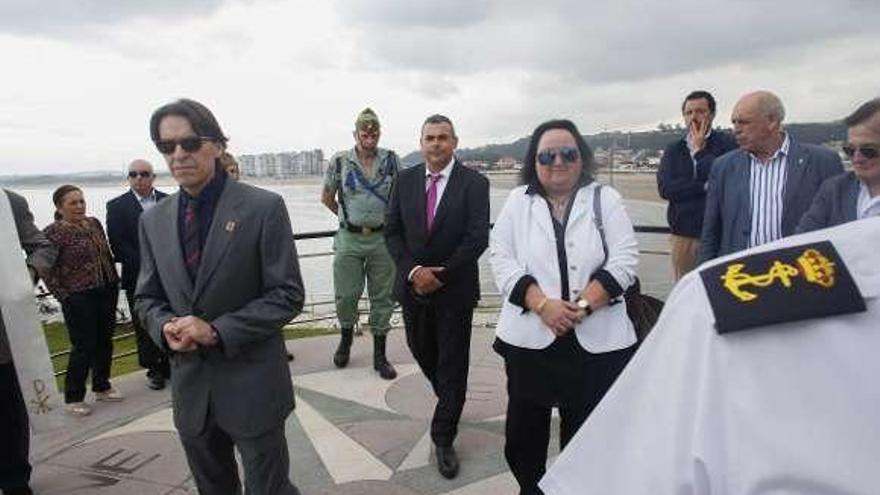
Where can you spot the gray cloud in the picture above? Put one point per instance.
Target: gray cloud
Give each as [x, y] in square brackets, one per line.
[395, 14]
[589, 41]
[64, 17]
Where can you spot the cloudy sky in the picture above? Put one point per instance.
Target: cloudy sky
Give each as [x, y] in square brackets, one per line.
[81, 77]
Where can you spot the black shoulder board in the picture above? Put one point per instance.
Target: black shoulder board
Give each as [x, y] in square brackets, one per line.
[787, 284]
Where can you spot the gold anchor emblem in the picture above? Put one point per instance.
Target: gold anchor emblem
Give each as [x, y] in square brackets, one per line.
[815, 267]
[41, 402]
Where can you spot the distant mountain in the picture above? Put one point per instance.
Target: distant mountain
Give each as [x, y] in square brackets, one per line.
[652, 141]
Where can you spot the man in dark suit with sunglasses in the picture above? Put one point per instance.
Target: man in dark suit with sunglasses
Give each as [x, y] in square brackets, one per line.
[123, 215]
[856, 194]
[219, 280]
[436, 228]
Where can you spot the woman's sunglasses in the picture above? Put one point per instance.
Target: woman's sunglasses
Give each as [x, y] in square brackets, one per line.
[189, 144]
[548, 157]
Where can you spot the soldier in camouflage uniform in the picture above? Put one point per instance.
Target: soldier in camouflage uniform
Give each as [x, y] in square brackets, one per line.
[357, 185]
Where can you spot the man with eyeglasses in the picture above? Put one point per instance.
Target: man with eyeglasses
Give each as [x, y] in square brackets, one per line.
[123, 215]
[219, 280]
[758, 193]
[856, 194]
[356, 189]
[683, 175]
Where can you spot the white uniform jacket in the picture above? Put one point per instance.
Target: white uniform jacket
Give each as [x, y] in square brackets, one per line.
[523, 242]
[791, 408]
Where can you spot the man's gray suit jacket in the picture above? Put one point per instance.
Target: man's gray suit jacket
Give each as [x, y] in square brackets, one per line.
[835, 203]
[248, 286]
[727, 224]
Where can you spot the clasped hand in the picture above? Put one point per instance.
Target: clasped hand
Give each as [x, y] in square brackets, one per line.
[424, 280]
[561, 316]
[187, 333]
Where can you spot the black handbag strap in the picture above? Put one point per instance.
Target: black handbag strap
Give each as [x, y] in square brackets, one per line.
[597, 214]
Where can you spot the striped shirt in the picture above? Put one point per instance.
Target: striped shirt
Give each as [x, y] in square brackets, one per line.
[767, 186]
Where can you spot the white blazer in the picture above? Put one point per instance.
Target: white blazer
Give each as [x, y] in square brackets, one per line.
[523, 242]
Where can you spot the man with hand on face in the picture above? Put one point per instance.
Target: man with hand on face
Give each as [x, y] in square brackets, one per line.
[361, 179]
[681, 178]
[436, 228]
[219, 279]
[854, 195]
[123, 215]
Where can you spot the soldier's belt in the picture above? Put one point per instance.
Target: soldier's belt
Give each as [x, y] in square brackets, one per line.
[361, 229]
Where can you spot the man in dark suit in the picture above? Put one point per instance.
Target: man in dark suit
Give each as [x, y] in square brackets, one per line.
[681, 178]
[15, 468]
[219, 279]
[436, 227]
[123, 214]
[856, 194]
[759, 192]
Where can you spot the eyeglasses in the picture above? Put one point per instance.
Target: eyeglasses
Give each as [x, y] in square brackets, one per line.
[869, 151]
[142, 174]
[189, 144]
[548, 157]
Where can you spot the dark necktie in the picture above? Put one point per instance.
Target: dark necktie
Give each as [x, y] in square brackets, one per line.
[431, 199]
[192, 251]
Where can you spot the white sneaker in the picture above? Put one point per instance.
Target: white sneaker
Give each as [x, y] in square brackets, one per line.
[78, 409]
[109, 395]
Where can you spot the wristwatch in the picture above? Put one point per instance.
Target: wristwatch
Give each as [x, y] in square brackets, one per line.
[584, 305]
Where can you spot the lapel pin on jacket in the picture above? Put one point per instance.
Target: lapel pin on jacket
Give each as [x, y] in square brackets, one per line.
[230, 226]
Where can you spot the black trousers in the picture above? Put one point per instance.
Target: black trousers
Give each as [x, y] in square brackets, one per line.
[440, 341]
[90, 316]
[563, 375]
[15, 470]
[150, 357]
[264, 458]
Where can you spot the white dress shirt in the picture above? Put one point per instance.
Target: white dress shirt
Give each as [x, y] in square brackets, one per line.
[783, 409]
[767, 191]
[867, 206]
[147, 201]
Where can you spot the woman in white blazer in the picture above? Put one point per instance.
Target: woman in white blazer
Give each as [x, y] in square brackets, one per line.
[563, 330]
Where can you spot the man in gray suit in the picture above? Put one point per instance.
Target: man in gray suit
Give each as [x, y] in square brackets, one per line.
[854, 195]
[15, 469]
[759, 192]
[219, 279]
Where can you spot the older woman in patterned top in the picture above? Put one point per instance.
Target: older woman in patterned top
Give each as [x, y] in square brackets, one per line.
[84, 280]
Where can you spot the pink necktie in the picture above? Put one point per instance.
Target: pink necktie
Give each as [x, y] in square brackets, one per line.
[431, 200]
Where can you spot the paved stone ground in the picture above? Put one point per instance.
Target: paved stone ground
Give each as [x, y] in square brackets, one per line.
[351, 433]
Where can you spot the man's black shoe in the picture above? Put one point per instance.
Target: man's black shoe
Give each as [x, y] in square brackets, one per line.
[155, 381]
[18, 490]
[447, 461]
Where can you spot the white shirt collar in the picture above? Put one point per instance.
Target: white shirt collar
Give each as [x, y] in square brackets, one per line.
[149, 197]
[445, 171]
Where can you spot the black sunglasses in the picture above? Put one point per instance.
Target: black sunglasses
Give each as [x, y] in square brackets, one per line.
[869, 151]
[143, 174]
[548, 157]
[189, 144]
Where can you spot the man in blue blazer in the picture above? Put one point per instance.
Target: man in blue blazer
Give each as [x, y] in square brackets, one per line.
[856, 194]
[759, 192]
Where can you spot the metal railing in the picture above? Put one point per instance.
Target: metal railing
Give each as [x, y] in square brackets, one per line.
[311, 317]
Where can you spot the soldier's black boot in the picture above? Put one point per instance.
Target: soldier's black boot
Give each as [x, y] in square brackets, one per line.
[380, 363]
[340, 358]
